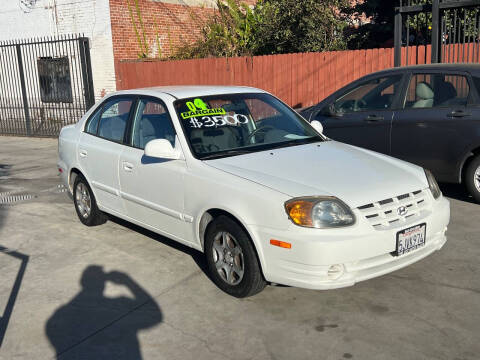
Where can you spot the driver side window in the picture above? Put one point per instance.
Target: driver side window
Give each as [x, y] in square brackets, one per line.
[376, 94]
[151, 122]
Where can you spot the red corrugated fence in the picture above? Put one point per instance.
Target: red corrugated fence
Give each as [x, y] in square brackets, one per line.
[301, 79]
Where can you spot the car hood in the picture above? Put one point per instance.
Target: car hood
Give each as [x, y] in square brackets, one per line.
[354, 175]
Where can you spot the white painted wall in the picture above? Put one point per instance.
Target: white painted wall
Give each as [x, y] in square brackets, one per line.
[22, 19]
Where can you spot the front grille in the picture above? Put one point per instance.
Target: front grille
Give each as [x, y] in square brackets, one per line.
[384, 214]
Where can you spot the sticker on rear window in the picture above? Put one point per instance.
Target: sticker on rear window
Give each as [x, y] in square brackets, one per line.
[199, 108]
[216, 121]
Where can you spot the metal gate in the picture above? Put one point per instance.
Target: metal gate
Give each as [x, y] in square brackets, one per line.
[45, 84]
[431, 31]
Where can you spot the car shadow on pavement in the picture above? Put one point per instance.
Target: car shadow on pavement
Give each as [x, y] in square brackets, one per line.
[196, 255]
[457, 192]
[94, 326]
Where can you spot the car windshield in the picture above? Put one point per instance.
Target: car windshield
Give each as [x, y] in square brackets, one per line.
[226, 125]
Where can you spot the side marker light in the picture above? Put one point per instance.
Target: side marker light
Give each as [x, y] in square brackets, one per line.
[281, 244]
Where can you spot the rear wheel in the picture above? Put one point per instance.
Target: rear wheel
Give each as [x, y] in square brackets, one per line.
[231, 258]
[85, 203]
[472, 178]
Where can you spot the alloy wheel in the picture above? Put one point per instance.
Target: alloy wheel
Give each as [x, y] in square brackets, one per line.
[228, 258]
[83, 200]
[476, 178]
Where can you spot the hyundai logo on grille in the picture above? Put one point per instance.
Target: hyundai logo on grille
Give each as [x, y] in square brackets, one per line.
[402, 211]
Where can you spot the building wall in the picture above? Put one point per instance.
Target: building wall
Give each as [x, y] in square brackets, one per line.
[176, 22]
[57, 17]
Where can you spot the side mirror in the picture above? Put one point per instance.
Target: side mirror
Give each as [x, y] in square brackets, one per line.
[162, 149]
[317, 125]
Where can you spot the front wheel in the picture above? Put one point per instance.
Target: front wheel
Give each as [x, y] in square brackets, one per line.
[85, 203]
[472, 178]
[231, 258]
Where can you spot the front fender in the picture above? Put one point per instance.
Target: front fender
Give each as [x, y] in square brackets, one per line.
[248, 202]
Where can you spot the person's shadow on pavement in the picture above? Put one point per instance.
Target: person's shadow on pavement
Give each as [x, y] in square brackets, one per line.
[92, 326]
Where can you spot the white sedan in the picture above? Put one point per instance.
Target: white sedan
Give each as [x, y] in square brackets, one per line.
[240, 176]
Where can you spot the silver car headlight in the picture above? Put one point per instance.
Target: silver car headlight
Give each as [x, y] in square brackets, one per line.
[319, 212]
[432, 184]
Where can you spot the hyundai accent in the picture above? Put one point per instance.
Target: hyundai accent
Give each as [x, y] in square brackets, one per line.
[238, 175]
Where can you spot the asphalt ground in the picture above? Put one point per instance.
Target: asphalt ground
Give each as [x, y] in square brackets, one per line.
[119, 292]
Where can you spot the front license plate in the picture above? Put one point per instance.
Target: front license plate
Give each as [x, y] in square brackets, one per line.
[410, 239]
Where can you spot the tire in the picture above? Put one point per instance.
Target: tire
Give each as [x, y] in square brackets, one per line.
[85, 203]
[231, 259]
[472, 178]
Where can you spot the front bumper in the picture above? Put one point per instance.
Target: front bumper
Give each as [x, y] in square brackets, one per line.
[357, 253]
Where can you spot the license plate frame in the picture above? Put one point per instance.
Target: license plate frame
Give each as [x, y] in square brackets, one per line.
[400, 251]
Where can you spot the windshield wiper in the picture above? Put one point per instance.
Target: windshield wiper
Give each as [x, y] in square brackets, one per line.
[226, 153]
[297, 142]
[263, 147]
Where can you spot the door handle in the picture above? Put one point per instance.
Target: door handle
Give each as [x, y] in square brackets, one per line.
[83, 153]
[458, 114]
[373, 118]
[127, 166]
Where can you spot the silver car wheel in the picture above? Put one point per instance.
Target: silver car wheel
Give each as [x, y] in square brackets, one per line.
[476, 179]
[228, 258]
[83, 200]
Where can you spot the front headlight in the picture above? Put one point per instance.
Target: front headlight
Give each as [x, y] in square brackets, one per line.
[432, 184]
[319, 212]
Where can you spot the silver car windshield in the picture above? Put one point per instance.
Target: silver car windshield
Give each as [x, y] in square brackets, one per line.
[226, 125]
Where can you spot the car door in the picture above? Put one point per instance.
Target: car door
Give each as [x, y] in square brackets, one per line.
[152, 188]
[99, 150]
[430, 130]
[362, 115]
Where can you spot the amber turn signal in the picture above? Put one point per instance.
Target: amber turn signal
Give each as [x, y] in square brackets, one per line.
[281, 244]
[300, 211]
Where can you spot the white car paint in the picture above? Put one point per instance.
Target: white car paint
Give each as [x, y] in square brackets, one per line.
[173, 197]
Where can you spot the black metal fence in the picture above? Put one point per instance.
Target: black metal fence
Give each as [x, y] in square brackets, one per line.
[431, 31]
[45, 84]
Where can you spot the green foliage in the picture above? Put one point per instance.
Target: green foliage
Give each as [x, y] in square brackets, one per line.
[272, 27]
[381, 30]
[157, 40]
[290, 26]
[376, 33]
[141, 38]
[465, 22]
[230, 32]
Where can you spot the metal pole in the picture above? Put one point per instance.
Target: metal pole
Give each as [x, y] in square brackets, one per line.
[435, 31]
[86, 72]
[24, 90]
[398, 38]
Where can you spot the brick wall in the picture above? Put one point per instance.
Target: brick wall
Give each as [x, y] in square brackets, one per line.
[175, 22]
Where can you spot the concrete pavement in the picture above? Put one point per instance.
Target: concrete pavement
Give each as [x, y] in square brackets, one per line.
[119, 292]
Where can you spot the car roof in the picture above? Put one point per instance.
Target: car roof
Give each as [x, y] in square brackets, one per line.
[188, 91]
[447, 67]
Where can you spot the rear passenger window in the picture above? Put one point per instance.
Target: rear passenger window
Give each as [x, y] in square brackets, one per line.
[437, 90]
[92, 124]
[152, 121]
[114, 119]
